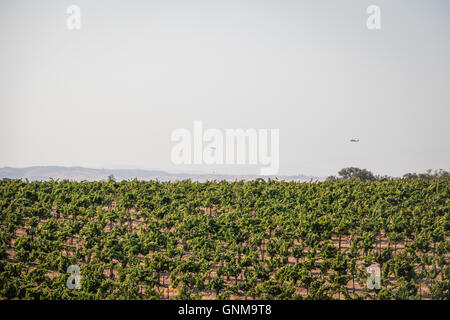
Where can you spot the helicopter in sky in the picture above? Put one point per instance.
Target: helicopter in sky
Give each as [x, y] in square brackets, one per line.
[354, 140]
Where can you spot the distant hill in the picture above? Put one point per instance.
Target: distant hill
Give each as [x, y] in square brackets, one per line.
[89, 174]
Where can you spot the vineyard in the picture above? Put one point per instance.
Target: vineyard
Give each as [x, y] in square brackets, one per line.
[225, 240]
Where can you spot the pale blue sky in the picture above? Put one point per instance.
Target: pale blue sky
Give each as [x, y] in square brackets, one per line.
[111, 93]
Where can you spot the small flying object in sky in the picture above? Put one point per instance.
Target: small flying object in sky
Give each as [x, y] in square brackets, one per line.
[354, 140]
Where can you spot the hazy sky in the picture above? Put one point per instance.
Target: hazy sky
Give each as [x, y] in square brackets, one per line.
[111, 94]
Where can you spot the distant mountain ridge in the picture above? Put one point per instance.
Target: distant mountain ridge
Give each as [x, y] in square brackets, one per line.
[90, 174]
